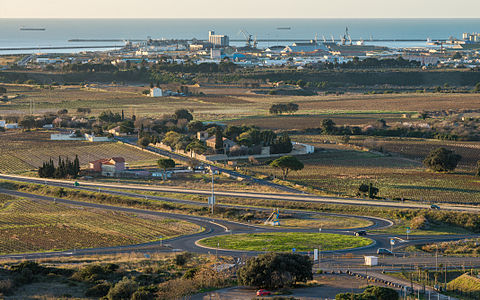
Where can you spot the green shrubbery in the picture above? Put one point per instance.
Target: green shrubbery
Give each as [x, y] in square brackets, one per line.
[370, 293]
[276, 270]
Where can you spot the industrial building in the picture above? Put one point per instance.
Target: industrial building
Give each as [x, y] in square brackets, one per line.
[218, 40]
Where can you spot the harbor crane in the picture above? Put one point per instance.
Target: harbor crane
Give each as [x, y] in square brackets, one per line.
[250, 42]
[346, 36]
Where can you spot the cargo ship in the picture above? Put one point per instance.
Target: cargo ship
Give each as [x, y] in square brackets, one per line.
[32, 28]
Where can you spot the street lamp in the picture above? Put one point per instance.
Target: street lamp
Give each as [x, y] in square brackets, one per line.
[211, 199]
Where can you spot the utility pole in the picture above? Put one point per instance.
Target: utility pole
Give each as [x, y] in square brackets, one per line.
[212, 199]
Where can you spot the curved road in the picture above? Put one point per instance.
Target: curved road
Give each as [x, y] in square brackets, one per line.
[212, 227]
[265, 196]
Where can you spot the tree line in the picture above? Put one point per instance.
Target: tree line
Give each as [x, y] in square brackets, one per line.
[65, 168]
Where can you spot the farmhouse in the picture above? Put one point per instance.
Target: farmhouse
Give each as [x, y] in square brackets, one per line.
[227, 144]
[156, 92]
[108, 167]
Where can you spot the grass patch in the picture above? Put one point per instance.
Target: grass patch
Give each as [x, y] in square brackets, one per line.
[285, 241]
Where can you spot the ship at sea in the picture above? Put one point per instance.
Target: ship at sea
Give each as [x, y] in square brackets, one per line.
[23, 28]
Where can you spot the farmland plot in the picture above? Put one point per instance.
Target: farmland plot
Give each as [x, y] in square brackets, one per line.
[27, 225]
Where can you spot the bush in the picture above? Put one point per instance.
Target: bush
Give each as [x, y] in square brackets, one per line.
[98, 290]
[92, 273]
[123, 289]
[442, 160]
[373, 292]
[276, 270]
[419, 222]
[143, 295]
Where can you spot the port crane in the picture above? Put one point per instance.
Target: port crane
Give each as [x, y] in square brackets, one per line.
[250, 42]
[346, 36]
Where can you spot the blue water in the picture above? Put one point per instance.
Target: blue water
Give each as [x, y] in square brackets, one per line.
[59, 31]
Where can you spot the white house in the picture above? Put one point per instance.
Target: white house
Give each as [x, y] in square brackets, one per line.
[2, 123]
[156, 92]
[11, 126]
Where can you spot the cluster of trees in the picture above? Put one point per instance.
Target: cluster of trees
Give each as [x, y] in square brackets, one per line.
[380, 128]
[442, 160]
[367, 190]
[89, 67]
[190, 67]
[374, 63]
[282, 108]
[64, 169]
[3, 90]
[276, 270]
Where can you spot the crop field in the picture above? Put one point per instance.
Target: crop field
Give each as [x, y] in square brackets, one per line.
[340, 172]
[27, 225]
[285, 241]
[226, 103]
[418, 149]
[24, 151]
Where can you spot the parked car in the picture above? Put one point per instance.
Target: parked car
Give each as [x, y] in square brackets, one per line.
[384, 251]
[434, 206]
[263, 293]
[360, 232]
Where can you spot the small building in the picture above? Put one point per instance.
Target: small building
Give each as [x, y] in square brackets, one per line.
[202, 136]
[116, 131]
[156, 92]
[108, 167]
[371, 260]
[93, 138]
[227, 144]
[2, 123]
[11, 125]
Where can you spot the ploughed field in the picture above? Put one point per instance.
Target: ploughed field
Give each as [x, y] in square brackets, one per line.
[21, 152]
[28, 226]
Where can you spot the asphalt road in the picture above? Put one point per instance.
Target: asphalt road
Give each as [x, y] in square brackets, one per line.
[264, 196]
[178, 157]
[212, 227]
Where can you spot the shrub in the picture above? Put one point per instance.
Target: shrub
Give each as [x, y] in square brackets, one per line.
[419, 222]
[275, 270]
[442, 160]
[123, 289]
[92, 273]
[98, 290]
[143, 295]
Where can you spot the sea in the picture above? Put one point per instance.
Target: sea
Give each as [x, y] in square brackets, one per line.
[58, 32]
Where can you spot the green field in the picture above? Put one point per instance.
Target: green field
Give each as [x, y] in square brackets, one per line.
[28, 225]
[285, 241]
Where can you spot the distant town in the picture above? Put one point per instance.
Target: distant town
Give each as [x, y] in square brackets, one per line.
[319, 50]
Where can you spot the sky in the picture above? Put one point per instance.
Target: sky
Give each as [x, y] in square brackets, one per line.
[240, 9]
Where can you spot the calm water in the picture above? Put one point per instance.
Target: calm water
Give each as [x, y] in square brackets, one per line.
[59, 31]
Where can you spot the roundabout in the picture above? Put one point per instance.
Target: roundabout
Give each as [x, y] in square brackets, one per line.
[285, 241]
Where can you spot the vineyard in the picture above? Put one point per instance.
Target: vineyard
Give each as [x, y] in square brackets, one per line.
[27, 225]
[25, 151]
[340, 172]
